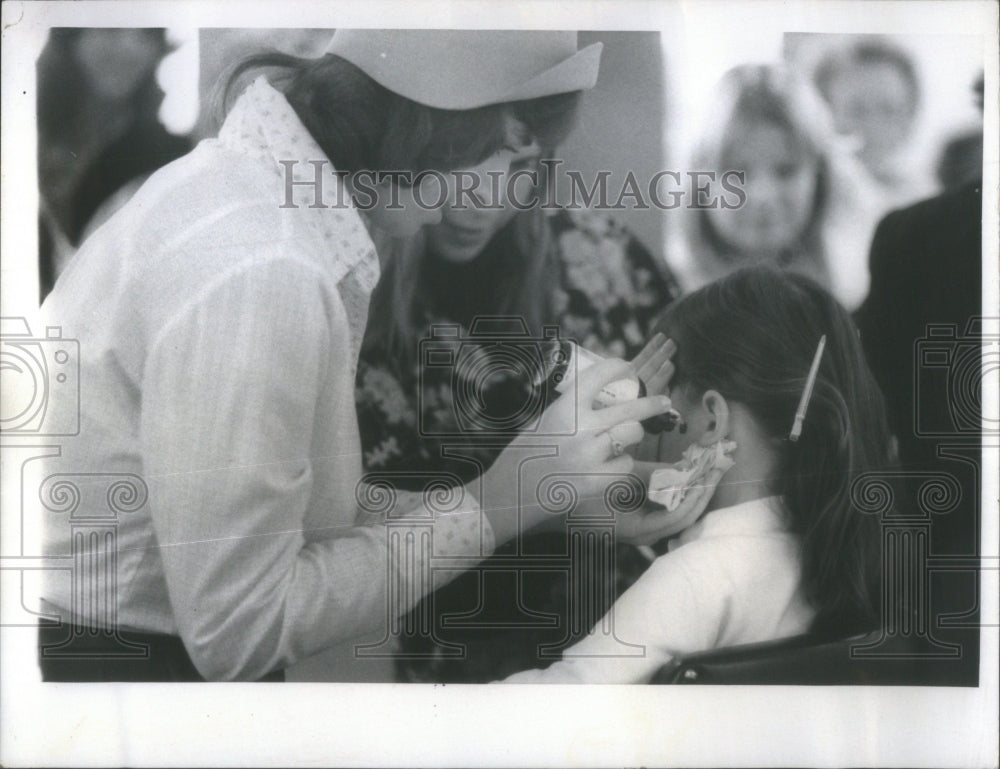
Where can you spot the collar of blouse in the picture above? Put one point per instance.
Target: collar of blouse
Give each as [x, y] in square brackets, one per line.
[262, 125]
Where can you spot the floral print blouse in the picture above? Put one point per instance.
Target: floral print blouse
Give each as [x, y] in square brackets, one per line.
[609, 291]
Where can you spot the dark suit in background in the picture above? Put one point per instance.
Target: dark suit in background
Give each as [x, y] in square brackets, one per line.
[926, 289]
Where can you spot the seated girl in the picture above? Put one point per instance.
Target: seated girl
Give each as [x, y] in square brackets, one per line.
[780, 549]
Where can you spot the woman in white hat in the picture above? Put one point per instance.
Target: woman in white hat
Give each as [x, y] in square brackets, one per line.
[219, 316]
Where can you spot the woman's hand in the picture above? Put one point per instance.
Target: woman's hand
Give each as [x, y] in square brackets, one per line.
[581, 448]
[649, 526]
[654, 365]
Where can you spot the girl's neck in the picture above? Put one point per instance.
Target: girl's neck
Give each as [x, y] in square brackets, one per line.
[733, 490]
[755, 464]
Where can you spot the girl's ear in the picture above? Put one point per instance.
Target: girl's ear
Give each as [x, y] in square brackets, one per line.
[718, 423]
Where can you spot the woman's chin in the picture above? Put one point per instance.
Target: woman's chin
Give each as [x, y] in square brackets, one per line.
[456, 253]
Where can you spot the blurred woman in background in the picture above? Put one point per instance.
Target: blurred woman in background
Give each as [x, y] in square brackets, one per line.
[99, 134]
[807, 206]
[874, 95]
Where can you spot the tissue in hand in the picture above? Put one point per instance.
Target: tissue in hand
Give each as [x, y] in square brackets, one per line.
[669, 485]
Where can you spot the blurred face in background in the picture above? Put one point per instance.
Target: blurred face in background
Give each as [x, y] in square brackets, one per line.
[876, 102]
[116, 61]
[781, 186]
[461, 234]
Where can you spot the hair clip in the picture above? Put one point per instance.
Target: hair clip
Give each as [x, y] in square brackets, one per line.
[800, 412]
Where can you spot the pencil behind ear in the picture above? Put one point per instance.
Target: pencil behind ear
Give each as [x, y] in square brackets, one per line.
[717, 427]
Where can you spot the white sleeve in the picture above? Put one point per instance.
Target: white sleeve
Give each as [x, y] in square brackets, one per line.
[229, 396]
[669, 611]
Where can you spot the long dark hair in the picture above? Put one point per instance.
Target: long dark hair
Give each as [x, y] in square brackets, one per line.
[752, 336]
[512, 276]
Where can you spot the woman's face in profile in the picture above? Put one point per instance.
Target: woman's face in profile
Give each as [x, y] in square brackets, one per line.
[780, 191]
[464, 232]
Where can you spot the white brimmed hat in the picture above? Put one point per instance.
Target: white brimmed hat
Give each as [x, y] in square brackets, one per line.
[464, 69]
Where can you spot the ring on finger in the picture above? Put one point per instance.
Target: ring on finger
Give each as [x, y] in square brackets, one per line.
[617, 447]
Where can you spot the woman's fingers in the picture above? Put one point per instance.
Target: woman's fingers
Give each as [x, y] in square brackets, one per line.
[662, 352]
[657, 381]
[656, 368]
[632, 411]
[613, 442]
[569, 414]
[654, 346]
[591, 380]
[627, 433]
[622, 465]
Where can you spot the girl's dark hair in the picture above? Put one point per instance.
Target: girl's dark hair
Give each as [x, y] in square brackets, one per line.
[361, 125]
[752, 336]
